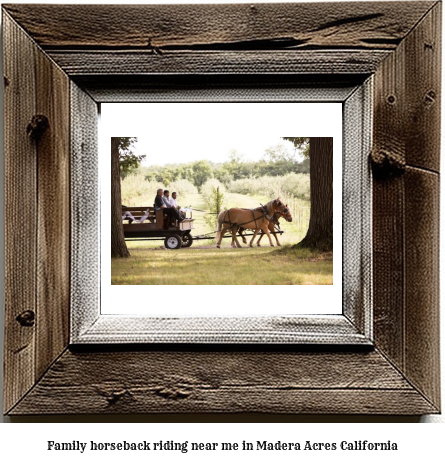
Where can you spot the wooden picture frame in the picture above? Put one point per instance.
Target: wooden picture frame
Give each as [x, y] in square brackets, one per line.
[75, 57]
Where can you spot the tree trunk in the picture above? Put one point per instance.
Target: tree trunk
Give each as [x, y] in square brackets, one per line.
[118, 245]
[320, 232]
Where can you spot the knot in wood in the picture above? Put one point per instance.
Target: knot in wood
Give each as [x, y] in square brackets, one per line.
[113, 394]
[173, 393]
[114, 397]
[26, 318]
[37, 126]
[387, 163]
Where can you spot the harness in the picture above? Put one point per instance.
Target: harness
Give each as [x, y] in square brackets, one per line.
[253, 216]
[266, 213]
[273, 218]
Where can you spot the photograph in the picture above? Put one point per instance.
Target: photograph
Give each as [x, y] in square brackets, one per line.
[213, 194]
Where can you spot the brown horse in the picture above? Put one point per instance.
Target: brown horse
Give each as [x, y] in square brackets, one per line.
[256, 219]
[275, 221]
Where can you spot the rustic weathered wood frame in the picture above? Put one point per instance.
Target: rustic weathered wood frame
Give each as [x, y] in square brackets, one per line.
[81, 55]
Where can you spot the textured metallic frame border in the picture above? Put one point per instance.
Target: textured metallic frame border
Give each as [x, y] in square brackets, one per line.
[354, 326]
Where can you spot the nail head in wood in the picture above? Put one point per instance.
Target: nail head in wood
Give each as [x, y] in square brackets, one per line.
[430, 97]
[26, 318]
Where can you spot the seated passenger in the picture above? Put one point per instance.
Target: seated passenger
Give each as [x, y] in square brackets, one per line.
[167, 199]
[174, 204]
[171, 212]
[173, 201]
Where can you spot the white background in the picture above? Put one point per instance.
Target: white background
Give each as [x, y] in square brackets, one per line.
[183, 133]
[233, 122]
[26, 443]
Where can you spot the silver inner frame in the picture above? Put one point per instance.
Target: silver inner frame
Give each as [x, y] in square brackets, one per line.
[354, 326]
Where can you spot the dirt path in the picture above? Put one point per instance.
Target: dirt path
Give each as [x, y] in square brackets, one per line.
[199, 247]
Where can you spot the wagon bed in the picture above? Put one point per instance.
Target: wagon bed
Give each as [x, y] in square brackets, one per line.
[155, 227]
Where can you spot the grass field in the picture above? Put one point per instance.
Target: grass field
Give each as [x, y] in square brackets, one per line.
[222, 266]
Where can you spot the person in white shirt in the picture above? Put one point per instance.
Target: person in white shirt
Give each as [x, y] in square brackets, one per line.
[173, 201]
[167, 199]
[174, 204]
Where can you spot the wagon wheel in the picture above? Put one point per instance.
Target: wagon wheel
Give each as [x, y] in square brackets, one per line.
[173, 241]
[187, 240]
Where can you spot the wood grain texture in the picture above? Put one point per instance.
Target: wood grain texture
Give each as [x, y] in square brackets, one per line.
[223, 382]
[79, 63]
[407, 113]
[237, 39]
[406, 240]
[423, 91]
[37, 230]
[422, 281]
[388, 200]
[20, 212]
[154, 27]
[388, 268]
[53, 229]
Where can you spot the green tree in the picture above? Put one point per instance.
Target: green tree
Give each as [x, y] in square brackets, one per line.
[185, 171]
[320, 151]
[166, 176]
[303, 166]
[201, 171]
[214, 203]
[300, 143]
[278, 161]
[278, 154]
[234, 165]
[223, 175]
[128, 160]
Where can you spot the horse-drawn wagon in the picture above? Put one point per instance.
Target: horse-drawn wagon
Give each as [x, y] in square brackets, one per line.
[147, 223]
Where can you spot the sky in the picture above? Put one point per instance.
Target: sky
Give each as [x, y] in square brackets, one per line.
[185, 132]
